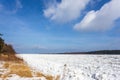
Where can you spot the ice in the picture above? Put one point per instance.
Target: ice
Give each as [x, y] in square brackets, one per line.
[76, 67]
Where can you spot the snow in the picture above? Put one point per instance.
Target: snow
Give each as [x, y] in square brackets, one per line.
[76, 67]
[15, 77]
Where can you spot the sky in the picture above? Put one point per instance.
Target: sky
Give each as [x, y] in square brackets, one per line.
[50, 26]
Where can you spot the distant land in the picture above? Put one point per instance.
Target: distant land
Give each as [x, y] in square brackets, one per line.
[111, 52]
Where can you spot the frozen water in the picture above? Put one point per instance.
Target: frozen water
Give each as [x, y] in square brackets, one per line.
[76, 67]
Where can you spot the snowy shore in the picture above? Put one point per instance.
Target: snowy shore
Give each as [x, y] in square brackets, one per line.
[76, 67]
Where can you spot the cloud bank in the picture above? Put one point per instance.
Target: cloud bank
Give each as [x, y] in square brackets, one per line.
[102, 19]
[65, 11]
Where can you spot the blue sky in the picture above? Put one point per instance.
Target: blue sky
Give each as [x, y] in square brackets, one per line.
[46, 26]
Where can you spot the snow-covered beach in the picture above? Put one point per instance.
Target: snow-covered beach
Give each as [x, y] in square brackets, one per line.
[76, 67]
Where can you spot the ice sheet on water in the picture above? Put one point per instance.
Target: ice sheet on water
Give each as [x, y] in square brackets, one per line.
[77, 67]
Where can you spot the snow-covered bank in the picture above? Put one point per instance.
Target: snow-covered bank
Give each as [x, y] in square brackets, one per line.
[76, 67]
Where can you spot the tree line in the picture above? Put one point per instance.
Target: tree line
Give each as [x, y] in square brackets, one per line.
[1, 42]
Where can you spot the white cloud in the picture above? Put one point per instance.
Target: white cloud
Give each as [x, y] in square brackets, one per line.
[1, 7]
[5, 8]
[65, 11]
[102, 19]
[18, 6]
[93, 2]
[38, 47]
